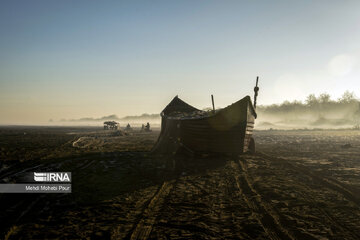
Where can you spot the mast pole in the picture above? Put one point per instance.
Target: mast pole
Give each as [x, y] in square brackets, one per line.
[213, 104]
[256, 90]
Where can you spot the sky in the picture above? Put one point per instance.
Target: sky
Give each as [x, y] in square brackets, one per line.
[74, 59]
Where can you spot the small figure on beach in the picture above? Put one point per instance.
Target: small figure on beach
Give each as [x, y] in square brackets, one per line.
[147, 127]
[128, 127]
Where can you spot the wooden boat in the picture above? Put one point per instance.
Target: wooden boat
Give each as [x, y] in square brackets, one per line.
[228, 130]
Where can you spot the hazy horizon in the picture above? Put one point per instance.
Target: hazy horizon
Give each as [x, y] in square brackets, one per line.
[69, 60]
[316, 112]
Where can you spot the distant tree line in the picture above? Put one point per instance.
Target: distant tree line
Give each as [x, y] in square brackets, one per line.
[312, 102]
[142, 116]
[324, 98]
[315, 111]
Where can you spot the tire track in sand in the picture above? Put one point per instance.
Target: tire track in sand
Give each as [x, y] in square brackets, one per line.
[347, 191]
[150, 213]
[263, 212]
[332, 184]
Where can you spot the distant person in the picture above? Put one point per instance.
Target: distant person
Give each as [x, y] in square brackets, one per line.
[147, 127]
[142, 127]
[128, 127]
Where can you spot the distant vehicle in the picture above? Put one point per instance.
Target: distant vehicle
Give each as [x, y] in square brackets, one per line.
[111, 125]
[228, 130]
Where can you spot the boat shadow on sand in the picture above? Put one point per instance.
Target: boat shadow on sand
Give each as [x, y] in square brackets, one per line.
[96, 177]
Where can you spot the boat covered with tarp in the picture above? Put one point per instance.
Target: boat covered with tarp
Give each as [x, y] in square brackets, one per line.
[227, 130]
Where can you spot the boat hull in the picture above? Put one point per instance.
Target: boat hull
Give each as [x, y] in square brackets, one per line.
[226, 131]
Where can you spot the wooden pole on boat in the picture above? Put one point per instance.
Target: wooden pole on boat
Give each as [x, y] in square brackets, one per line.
[256, 89]
[213, 104]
